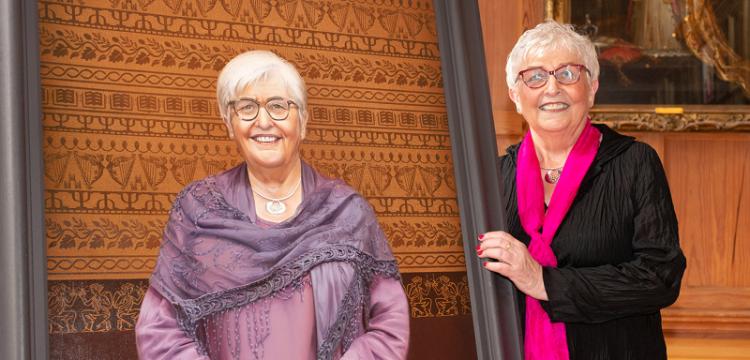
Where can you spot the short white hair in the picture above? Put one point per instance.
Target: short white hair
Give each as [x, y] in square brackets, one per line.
[549, 36]
[253, 67]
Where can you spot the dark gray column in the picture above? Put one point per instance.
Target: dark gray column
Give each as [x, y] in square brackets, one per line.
[497, 324]
[23, 279]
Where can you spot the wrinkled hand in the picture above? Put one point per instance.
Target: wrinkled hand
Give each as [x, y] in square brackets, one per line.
[513, 261]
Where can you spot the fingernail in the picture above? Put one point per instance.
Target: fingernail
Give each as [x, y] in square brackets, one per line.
[481, 236]
[479, 252]
[485, 264]
[479, 247]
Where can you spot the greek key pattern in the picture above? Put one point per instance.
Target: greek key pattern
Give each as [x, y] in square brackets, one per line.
[399, 37]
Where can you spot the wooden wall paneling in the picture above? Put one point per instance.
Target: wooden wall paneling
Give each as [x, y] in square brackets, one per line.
[655, 139]
[741, 260]
[502, 23]
[708, 176]
[706, 183]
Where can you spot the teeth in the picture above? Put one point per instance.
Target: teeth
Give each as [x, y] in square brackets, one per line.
[265, 139]
[554, 106]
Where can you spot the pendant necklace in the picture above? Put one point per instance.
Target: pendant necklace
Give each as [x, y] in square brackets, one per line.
[277, 206]
[552, 175]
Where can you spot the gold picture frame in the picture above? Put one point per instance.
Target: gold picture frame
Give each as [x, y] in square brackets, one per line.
[705, 40]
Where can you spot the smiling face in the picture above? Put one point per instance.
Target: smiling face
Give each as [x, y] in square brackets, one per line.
[554, 107]
[264, 143]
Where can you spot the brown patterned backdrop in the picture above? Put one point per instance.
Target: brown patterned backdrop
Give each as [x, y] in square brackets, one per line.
[130, 118]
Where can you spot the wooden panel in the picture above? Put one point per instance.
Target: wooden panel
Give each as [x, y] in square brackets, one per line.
[706, 175]
[502, 24]
[709, 175]
[684, 348]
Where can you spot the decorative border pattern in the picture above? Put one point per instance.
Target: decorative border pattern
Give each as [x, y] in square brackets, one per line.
[250, 29]
[110, 306]
[438, 296]
[434, 260]
[705, 118]
[77, 233]
[74, 233]
[93, 265]
[91, 307]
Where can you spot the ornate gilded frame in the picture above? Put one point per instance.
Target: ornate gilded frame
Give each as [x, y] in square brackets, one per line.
[706, 42]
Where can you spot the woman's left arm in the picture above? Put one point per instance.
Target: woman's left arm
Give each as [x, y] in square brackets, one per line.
[648, 282]
[387, 331]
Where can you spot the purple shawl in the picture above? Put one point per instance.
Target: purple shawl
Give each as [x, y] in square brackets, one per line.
[215, 258]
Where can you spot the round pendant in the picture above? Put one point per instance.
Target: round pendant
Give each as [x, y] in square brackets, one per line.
[552, 176]
[275, 207]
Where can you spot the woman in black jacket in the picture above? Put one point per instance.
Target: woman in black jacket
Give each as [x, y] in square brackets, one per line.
[592, 235]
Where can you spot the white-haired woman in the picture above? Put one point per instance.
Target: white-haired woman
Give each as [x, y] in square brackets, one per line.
[271, 260]
[592, 235]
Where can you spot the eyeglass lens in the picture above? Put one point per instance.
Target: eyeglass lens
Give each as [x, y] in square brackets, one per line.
[248, 109]
[537, 77]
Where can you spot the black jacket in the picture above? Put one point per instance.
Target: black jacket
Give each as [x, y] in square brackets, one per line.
[619, 258]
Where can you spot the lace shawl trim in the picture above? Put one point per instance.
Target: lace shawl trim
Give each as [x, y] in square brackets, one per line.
[344, 330]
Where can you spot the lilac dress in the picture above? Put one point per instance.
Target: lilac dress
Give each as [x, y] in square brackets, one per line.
[287, 324]
[292, 328]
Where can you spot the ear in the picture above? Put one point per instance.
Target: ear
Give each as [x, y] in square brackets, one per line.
[592, 92]
[513, 95]
[230, 130]
[303, 125]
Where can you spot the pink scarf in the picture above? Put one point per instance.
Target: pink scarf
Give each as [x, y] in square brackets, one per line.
[545, 339]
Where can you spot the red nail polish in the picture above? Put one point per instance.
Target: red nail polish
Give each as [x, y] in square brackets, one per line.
[485, 264]
[479, 247]
[481, 236]
[479, 252]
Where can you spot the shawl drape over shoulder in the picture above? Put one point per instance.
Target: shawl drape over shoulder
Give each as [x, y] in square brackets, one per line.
[215, 257]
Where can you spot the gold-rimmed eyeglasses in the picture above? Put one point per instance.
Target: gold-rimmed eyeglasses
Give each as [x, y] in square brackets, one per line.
[566, 74]
[247, 109]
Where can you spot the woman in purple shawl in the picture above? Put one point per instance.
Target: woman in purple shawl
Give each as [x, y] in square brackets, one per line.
[271, 260]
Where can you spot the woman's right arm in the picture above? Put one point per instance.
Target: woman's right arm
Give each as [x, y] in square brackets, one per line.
[157, 334]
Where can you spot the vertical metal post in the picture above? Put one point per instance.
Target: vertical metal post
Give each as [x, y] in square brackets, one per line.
[497, 323]
[23, 278]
